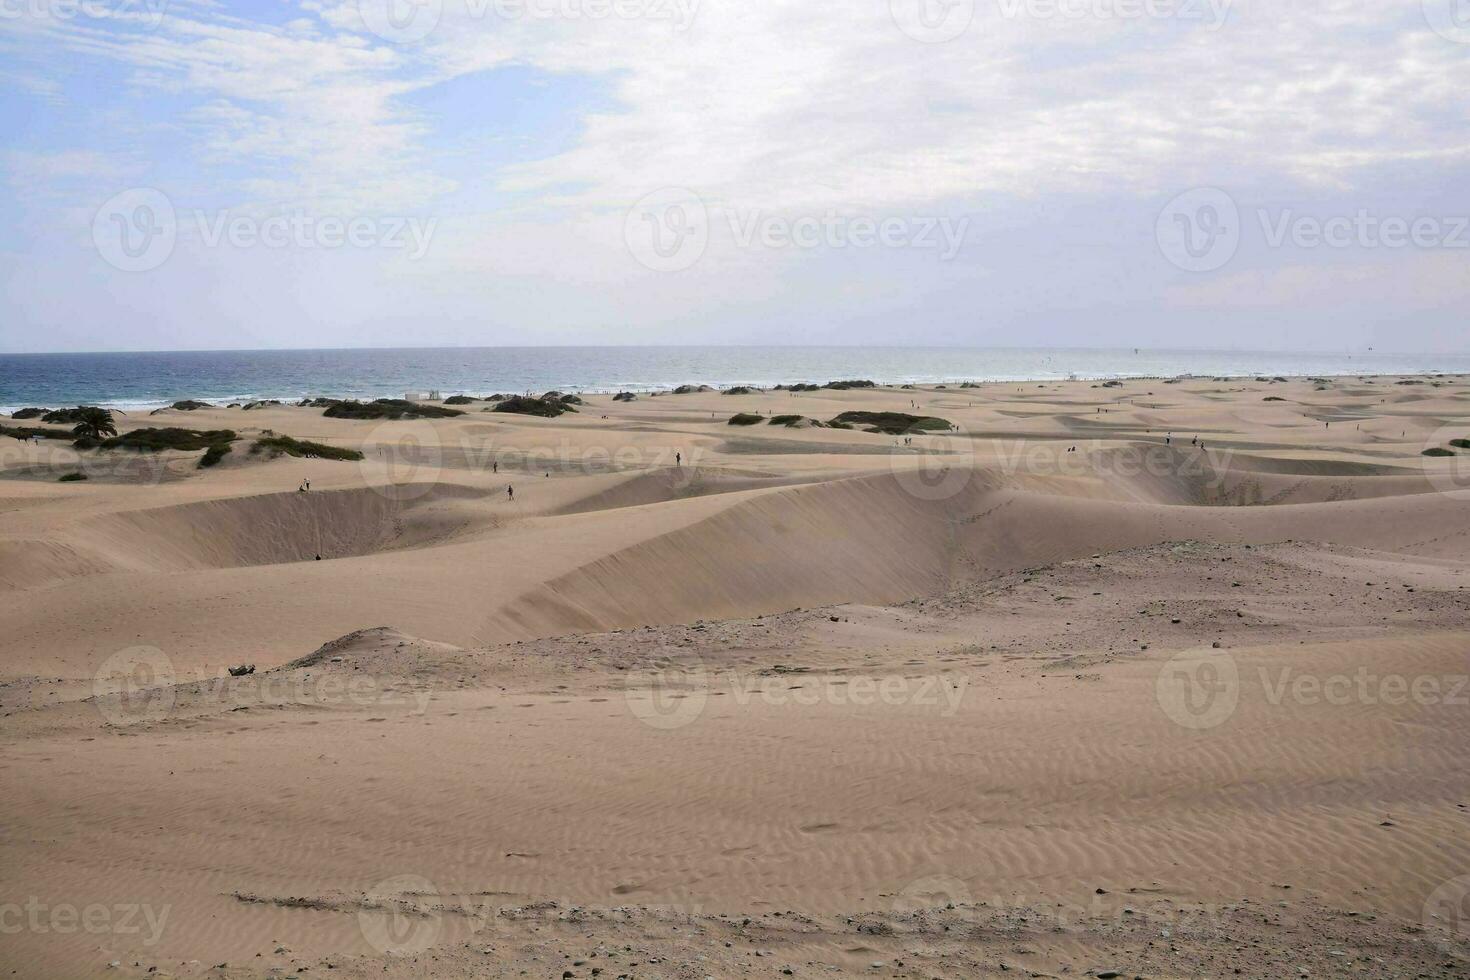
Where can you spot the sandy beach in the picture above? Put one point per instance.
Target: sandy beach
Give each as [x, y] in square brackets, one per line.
[1155, 678]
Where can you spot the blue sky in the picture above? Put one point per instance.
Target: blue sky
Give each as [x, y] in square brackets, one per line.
[1108, 173]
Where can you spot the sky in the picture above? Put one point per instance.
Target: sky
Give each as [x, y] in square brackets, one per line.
[1254, 174]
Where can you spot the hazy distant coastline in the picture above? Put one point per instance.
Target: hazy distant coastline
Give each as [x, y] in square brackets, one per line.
[145, 380]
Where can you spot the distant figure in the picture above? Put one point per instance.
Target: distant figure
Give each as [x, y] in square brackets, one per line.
[510, 492]
[318, 557]
[495, 466]
[678, 459]
[308, 484]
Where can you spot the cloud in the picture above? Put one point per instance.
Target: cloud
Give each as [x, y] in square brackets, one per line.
[1060, 128]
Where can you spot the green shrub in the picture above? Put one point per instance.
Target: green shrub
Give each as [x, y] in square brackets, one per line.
[34, 432]
[302, 449]
[386, 408]
[214, 454]
[1439, 451]
[27, 413]
[892, 423]
[71, 477]
[459, 400]
[744, 418]
[157, 440]
[786, 419]
[189, 405]
[845, 385]
[1460, 443]
[67, 416]
[547, 408]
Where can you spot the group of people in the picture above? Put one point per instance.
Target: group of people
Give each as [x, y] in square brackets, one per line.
[1197, 442]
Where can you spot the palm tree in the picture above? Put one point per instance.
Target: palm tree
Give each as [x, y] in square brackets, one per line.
[94, 424]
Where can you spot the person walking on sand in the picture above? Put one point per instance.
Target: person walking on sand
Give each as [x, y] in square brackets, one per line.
[495, 466]
[510, 492]
[678, 459]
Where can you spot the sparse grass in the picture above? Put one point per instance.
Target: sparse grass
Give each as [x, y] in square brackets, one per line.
[459, 400]
[893, 423]
[302, 449]
[845, 385]
[71, 477]
[744, 418]
[786, 419]
[157, 440]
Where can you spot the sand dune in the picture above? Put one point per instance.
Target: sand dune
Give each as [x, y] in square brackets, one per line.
[800, 699]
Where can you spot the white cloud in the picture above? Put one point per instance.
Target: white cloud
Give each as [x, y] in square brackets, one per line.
[784, 106]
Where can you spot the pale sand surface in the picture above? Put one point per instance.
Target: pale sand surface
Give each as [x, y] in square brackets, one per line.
[815, 701]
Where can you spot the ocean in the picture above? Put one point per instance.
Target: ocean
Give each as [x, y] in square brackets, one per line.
[148, 380]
